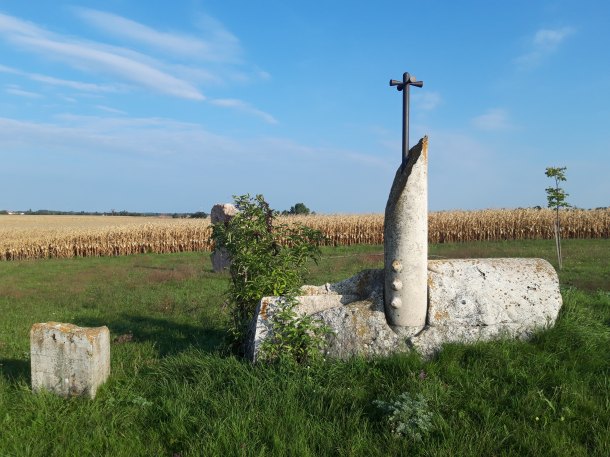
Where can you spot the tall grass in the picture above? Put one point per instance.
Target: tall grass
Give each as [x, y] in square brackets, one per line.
[173, 391]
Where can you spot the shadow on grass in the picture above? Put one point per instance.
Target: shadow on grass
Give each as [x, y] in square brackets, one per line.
[169, 337]
[15, 370]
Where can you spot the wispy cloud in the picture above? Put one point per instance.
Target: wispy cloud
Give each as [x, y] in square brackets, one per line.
[493, 119]
[94, 57]
[5, 69]
[244, 107]
[222, 45]
[426, 101]
[109, 109]
[16, 90]
[544, 43]
[77, 85]
[177, 152]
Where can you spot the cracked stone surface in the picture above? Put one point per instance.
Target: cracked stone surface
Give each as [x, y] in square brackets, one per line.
[469, 300]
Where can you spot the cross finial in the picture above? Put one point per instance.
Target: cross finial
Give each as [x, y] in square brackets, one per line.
[407, 80]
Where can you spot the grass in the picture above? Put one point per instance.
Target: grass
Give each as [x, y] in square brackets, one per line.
[174, 391]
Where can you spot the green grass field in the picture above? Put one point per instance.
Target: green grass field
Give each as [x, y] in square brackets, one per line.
[173, 391]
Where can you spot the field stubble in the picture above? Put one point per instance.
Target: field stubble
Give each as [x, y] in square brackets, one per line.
[34, 237]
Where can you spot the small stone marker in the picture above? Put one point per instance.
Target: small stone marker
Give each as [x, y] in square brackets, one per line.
[221, 213]
[69, 360]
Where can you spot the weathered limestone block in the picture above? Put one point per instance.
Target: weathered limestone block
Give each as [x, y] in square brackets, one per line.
[482, 299]
[406, 242]
[352, 308]
[221, 213]
[69, 360]
[469, 300]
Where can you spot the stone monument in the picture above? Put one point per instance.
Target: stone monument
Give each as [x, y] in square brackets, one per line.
[220, 214]
[418, 304]
[405, 237]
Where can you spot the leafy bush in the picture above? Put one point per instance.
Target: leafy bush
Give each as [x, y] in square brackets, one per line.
[267, 259]
[408, 416]
[293, 338]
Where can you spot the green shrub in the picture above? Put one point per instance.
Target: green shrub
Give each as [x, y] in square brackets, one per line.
[267, 259]
[293, 338]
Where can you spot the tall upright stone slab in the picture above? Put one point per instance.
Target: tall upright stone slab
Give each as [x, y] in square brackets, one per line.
[69, 360]
[406, 243]
[220, 214]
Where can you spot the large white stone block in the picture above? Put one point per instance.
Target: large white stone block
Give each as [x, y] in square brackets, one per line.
[69, 360]
[470, 300]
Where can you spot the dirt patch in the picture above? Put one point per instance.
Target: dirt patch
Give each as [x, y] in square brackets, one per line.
[124, 338]
[373, 259]
[13, 292]
[80, 281]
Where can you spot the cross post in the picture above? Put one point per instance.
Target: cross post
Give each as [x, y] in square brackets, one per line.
[407, 80]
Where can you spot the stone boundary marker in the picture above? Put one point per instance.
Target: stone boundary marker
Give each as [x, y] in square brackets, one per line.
[221, 213]
[69, 360]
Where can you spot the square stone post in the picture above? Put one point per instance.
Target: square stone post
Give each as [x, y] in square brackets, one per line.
[69, 360]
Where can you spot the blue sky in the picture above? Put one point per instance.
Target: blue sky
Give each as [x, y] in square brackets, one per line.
[174, 106]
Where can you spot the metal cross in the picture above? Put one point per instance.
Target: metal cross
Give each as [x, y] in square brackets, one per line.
[407, 80]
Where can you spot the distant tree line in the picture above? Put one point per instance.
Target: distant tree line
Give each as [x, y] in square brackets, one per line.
[299, 209]
[48, 212]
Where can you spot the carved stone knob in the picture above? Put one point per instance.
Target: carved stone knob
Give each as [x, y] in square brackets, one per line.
[397, 266]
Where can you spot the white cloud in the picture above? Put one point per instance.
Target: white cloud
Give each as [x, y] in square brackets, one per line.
[109, 109]
[159, 162]
[5, 69]
[225, 43]
[544, 43]
[222, 46]
[94, 57]
[15, 90]
[550, 39]
[78, 85]
[244, 107]
[12, 25]
[159, 138]
[88, 57]
[493, 119]
[426, 101]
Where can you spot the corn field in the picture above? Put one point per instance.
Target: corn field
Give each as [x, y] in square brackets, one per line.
[38, 237]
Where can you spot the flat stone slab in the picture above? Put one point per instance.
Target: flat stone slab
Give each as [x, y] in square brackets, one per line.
[69, 360]
[469, 300]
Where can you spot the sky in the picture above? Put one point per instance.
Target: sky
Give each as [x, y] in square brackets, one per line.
[164, 106]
